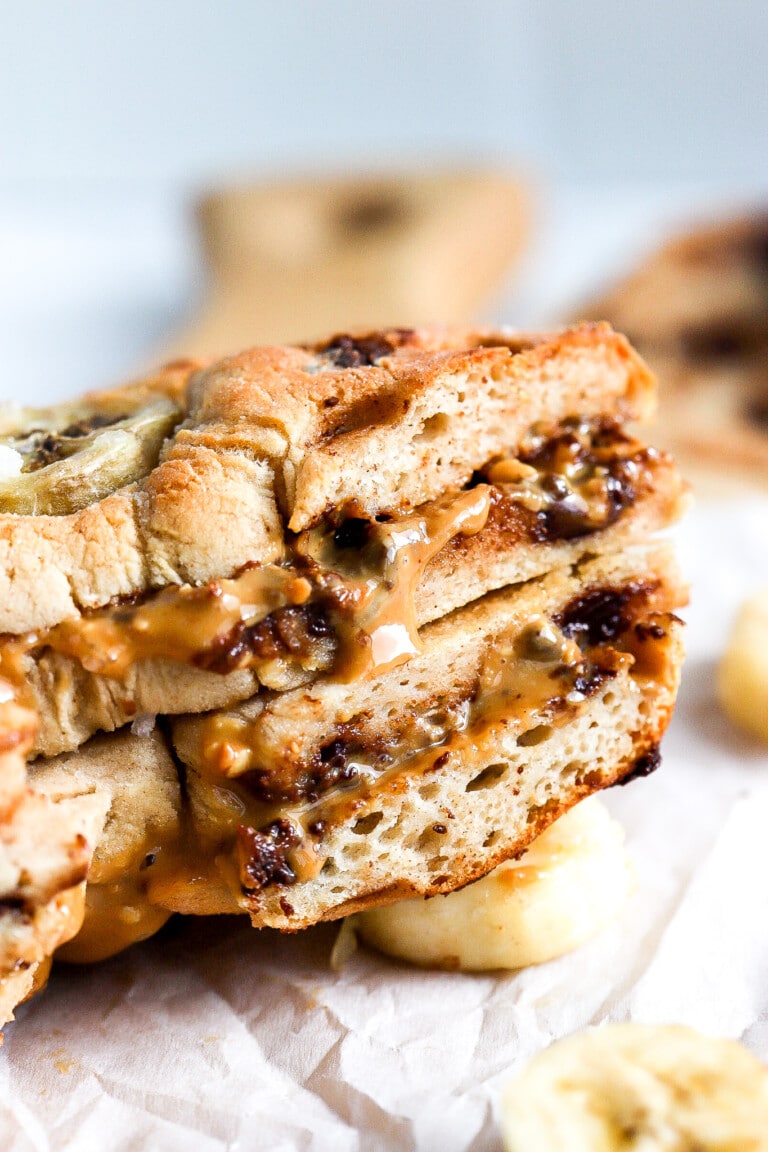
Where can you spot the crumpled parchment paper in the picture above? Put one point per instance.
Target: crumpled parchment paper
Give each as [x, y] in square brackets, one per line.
[213, 1037]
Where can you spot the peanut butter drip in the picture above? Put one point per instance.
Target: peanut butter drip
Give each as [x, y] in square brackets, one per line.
[116, 915]
[359, 580]
[178, 623]
[380, 630]
[368, 597]
[381, 567]
[119, 908]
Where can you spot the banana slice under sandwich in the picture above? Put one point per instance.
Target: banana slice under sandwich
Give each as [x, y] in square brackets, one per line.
[639, 1088]
[572, 881]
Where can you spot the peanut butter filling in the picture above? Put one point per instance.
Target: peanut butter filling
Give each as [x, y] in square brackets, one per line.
[346, 592]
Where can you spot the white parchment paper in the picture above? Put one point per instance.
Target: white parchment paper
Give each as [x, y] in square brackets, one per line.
[214, 1037]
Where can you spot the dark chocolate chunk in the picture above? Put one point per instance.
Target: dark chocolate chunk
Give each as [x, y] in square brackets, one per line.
[644, 765]
[287, 632]
[362, 351]
[600, 614]
[263, 855]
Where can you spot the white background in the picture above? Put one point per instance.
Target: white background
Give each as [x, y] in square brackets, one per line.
[173, 92]
[113, 117]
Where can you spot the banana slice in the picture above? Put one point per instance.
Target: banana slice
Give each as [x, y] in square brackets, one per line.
[570, 883]
[58, 460]
[742, 679]
[637, 1087]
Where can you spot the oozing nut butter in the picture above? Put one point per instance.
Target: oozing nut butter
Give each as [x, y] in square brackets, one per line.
[345, 596]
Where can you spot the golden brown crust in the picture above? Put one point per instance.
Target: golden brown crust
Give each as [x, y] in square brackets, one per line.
[415, 413]
[287, 428]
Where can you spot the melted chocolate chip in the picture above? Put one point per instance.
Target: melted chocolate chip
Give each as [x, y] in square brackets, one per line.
[263, 855]
[12, 904]
[286, 632]
[358, 352]
[649, 631]
[644, 765]
[328, 768]
[592, 679]
[599, 615]
[581, 449]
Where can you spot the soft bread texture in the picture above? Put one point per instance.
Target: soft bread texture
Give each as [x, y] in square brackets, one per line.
[45, 851]
[97, 811]
[416, 414]
[74, 704]
[279, 435]
[136, 781]
[281, 440]
[488, 819]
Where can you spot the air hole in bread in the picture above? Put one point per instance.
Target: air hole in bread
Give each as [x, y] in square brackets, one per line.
[433, 427]
[537, 735]
[432, 835]
[491, 838]
[489, 777]
[367, 823]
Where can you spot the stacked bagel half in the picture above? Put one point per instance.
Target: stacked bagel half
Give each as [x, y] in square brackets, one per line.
[369, 618]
